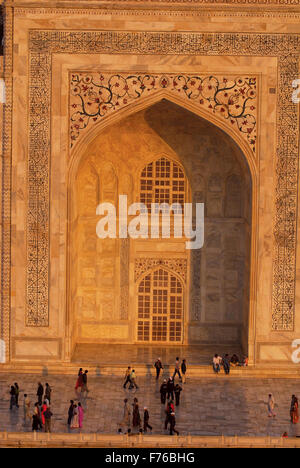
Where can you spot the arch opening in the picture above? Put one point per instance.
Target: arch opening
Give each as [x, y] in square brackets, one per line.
[103, 299]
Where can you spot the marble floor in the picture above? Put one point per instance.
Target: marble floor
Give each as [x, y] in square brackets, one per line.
[147, 354]
[210, 406]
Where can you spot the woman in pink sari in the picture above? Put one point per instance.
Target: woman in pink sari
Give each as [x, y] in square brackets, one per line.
[80, 415]
[44, 408]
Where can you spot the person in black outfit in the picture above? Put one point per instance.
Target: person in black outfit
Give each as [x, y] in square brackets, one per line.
[70, 412]
[170, 389]
[35, 422]
[172, 424]
[158, 366]
[12, 397]
[40, 393]
[146, 420]
[183, 370]
[169, 410]
[163, 392]
[17, 390]
[177, 391]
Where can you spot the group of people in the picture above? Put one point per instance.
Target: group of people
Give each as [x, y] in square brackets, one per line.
[40, 414]
[226, 361]
[75, 415]
[168, 392]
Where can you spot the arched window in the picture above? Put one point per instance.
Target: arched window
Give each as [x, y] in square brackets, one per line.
[162, 181]
[160, 308]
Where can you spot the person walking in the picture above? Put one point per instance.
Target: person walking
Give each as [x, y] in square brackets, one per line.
[271, 406]
[12, 397]
[177, 369]
[35, 422]
[177, 391]
[48, 415]
[48, 391]
[40, 393]
[158, 366]
[80, 415]
[127, 377]
[133, 380]
[26, 407]
[79, 381]
[17, 393]
[136, 418]
[173, 424]
[294, 411]
[226, 364]
[183, 371]
[146, 420]
[169, 409]
[163, 392]
[84, 388]
[70, 412]
[126, 414]
[170, 389]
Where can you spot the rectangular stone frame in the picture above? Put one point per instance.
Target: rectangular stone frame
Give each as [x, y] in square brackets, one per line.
[43, 43]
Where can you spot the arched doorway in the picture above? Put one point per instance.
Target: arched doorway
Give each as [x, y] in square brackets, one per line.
[102, 292]
[160, 305]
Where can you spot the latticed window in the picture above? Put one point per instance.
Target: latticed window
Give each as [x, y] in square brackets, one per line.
[162, 181]
[160, 308]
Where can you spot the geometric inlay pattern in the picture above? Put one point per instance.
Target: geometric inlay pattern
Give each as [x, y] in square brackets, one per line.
[42, 44]
[177, 265]
[95, 95]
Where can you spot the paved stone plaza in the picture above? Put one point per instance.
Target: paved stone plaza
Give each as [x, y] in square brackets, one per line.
[210, 406]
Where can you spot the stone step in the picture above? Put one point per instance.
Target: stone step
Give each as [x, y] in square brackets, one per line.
[148, 369]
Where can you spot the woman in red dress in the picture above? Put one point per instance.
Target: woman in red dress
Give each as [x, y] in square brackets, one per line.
[294, 412]
[79, 382]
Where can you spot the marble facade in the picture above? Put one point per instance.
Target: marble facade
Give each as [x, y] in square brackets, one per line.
[60, 286]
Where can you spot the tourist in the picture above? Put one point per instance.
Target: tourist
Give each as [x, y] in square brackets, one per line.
[136, 418]
[17, 393]
[127, 377]
[126, 414]
[245, 361]
[40, 393]
[163, 392]
[79, 381]
[70, 412]
[226, 364]
[170, 388]
[169, 409]
[74, 421]
[84, 388]
[173, 424]
[177, 391]
[294, 411]
[146, 420]
[217, 363]
[44, 408]
[47, 416]
[177, 369]
[12, 397]
[35, 422]
[292, 407]
[26, 407]
[37, 413]
[183, 370]
[158, 366]
[234, 360]
[80, 415]
[133, 380]
[285, 435]
[48, 391]
[271, 406]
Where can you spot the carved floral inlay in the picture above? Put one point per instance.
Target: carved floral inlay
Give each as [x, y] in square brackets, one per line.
[94, 95]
